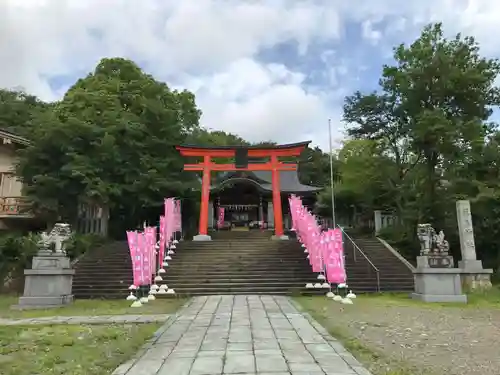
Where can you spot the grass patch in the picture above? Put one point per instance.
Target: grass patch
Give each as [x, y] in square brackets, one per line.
[91, 307]
[489, 298]
[66, 349]
[378, 363]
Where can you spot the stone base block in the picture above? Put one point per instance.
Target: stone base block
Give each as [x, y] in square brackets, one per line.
[477, 281]
[202, 237]
[430, 261]
[48, 282]
[438, 285]
[470, 265]
[52, 261]
[280, 238]
[449, 298]
[43, 302]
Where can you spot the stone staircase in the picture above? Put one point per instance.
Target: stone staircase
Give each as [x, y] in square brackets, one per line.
[105, 272]
[236, 263]
[395, 276]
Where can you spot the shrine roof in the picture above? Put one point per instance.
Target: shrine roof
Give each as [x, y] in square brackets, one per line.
[252, 147]
[289, 181]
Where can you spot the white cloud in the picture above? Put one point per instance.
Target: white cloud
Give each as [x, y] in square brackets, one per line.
[368, 32]
[260, 102]
[212, 47]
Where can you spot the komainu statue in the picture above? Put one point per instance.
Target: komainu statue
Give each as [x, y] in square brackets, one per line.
[56, 237]
[430, 242]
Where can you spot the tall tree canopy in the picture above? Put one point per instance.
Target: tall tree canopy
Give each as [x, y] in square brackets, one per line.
[430, 120]
[19, 111]
[432, 108]
[110, 141]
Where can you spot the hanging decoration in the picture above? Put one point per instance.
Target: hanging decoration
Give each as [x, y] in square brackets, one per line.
[324, 251]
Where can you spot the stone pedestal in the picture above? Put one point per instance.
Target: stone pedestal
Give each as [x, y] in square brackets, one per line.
[48, 283]
[474, 276]
[438, 285]
[430, 261]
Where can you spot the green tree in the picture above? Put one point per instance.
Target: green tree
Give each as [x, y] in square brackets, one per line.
[18, 110]
[314, 167]
[111, 141]
[361, 185]
[433, 105]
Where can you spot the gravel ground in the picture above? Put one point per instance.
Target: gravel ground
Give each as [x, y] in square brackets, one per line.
[428, 338]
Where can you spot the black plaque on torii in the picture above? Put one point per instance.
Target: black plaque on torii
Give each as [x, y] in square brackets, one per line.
[241, 158]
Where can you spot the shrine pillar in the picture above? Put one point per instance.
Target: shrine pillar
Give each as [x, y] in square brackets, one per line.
[205, 197]
[277, 208]
[261, 209]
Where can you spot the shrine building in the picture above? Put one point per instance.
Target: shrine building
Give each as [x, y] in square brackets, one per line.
[253, 190]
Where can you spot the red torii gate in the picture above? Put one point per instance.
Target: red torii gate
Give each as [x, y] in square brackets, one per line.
[243, 153]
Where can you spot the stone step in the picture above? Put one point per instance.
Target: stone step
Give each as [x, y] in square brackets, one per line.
[236, 266]
[211, 272]
[236, 269]
[233, 279]
[240, 282]
[227, 260]
[355, 286]
[181, 291]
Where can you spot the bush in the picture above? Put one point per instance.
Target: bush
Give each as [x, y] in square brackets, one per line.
[16, 253]
[402, 239]
[17, 248]
[79, 244]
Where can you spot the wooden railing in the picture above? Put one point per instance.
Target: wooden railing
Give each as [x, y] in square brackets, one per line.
[13, 206]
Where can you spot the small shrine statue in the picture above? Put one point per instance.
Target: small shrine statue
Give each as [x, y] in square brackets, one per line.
[60, 233]
[430, 242]
[442, 247]
[44, 242]
[424, 234]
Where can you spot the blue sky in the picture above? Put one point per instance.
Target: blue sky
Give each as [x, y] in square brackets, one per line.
[266, 70]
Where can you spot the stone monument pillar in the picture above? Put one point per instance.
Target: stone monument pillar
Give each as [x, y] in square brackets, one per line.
[435, 278]
[49, 282]
[473, 276]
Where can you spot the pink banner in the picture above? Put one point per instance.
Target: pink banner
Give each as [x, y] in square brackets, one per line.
[136, 257]
[142, 245]
[150, 233]
[154, 239]
[325, 248]
[335, 268]
[162, 240]
[178, 216]
[169, 219]
[220, 218]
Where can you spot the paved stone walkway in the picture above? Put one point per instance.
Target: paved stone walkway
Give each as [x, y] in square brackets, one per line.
[242, 335]
[99, 319]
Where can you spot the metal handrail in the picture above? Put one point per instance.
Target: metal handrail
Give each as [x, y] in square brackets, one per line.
[356, 247]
